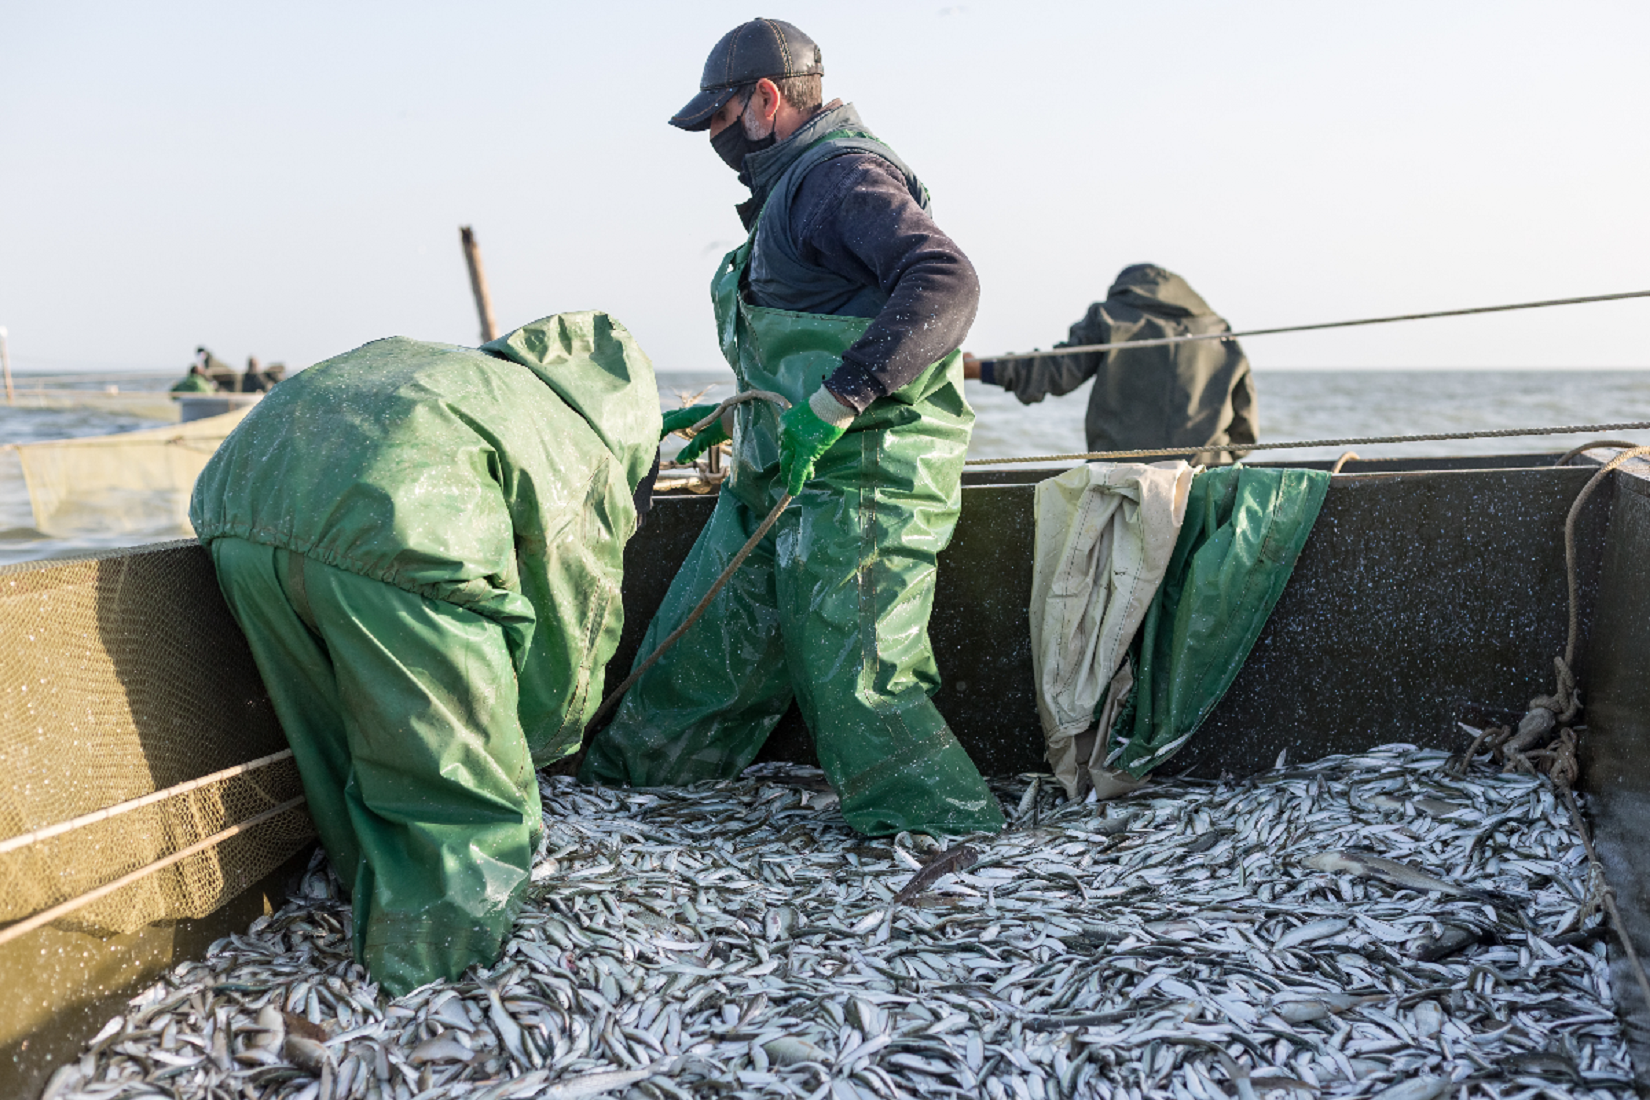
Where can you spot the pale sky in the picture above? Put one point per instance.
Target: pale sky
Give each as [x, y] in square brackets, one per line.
[287, 180]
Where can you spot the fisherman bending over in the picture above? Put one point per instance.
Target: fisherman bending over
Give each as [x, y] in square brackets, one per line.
[223, 376]
[849, 301]
[1175, 395]
[423, 545]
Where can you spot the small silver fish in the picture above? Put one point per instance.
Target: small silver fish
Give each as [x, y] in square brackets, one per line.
[1366, 864]
[1310, 932]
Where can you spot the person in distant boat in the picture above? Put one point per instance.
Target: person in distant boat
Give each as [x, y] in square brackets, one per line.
[259, 379]
[224, 377]
[195, 381]
[424, 545]
[1176, 395]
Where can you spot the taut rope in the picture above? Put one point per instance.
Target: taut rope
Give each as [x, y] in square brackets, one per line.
[766, 525]
[1083, 349]
[1168, 452]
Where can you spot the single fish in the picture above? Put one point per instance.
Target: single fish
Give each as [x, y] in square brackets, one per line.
[1542, 1063]
[1448, 941]
[305, 1053]
[790, 1050]
[944, 863]
[1366, 864]
[592, 1084]
[442, 1048]
[1305, 1009]
[1310, 932]
[303, 1028]
[1418, 1088]
[1111, 826]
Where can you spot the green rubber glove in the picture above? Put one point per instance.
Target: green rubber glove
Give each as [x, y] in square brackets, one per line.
[805, 434]
[679, 419]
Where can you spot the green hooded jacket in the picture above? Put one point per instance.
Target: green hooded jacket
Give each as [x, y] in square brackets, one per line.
[497, 478]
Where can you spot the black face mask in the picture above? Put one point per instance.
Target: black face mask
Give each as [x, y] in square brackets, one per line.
[733, 146]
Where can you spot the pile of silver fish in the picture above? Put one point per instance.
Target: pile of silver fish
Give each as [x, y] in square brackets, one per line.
[1359, 926]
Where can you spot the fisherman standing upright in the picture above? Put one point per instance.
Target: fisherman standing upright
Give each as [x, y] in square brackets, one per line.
[850, 302]
[1194, 394]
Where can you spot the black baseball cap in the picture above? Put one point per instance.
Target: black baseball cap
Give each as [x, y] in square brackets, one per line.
[769, 48]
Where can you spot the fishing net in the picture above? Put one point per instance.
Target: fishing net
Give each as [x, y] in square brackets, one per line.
[149, 404]
[122, 676]
[135, 482]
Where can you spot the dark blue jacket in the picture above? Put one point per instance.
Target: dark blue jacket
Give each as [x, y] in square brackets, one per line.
[842, 227]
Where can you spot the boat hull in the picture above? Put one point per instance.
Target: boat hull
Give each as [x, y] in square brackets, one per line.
[1428, 594]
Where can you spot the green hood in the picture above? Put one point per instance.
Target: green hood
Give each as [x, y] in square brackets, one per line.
[598, 370]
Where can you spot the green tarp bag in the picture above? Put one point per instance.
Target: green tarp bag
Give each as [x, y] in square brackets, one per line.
[1244, 529]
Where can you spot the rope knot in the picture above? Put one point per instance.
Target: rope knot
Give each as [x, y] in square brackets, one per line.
[1564, 703]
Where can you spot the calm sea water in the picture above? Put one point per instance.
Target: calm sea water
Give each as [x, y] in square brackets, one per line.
[1293, 405]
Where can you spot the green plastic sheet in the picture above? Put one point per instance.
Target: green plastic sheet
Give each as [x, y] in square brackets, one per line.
[1243, 531]
[423, 545]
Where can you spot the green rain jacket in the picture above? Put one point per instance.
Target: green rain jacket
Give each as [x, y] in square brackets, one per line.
[1182, 395]
[462, 474]
[194, 383]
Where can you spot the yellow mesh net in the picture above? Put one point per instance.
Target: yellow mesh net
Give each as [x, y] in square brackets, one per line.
[121, 676]
[129, 482]
[149, 404]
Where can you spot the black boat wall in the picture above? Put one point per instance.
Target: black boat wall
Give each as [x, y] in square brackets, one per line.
[1616, 746]
[1422, 599]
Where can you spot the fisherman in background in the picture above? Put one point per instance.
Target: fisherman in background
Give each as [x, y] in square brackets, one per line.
[1195, 394]
[423, 545]
[259, 379]
[225, 377]
[195, 381]
[850, 302]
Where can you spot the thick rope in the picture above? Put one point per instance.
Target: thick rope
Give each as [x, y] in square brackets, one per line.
[1594, 445]
[1166, 452]
[1546, 712]
[693, 616]
[1084, 349]
[1608, 895]
[46, 916]
[739, 399]
[1570, 539]
[23, 840]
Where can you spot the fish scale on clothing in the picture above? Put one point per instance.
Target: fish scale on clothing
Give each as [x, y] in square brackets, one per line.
[737, 939]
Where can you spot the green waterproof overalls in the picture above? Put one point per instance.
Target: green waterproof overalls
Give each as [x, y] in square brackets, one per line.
[424, 545]
[831, 608]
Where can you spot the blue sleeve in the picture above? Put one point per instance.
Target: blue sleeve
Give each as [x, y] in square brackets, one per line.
[855, 216]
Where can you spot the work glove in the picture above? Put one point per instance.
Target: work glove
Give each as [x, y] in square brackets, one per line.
[806, 432]
[679, 419]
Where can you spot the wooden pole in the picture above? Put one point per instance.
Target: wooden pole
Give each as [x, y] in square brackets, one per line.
[5, 364]
[478, 283]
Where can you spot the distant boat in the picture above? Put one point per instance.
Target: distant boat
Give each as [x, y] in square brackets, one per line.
[117, 397]
[199, 406]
